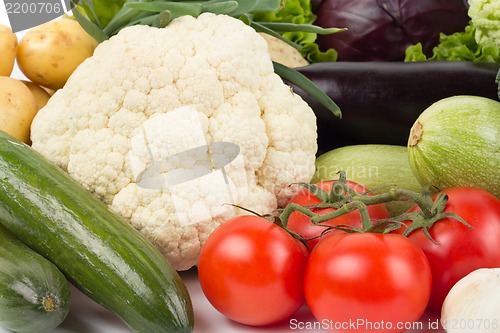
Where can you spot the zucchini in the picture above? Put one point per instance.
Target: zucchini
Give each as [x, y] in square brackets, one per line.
[456, 142]
[102, 255]
[380, 101]
[377, 167]
[35, 297]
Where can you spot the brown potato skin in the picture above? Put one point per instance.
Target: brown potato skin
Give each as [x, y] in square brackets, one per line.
[8, 50]
[49, 53]
[41, 95]
[17, 108]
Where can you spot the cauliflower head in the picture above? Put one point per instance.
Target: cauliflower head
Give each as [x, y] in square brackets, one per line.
[485, 16]
[148, 94]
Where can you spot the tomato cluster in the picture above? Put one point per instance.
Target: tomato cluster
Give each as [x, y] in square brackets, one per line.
[455, 249]
[301, 224]
[257, 272]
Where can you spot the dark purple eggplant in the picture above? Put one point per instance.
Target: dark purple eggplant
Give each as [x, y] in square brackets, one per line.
[380, 101]
[315, 4]
[381, 30]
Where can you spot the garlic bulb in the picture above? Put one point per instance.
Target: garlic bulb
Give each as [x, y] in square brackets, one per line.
[473, 304]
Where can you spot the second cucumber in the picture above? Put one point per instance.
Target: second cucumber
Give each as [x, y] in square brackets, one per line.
[34, 295]
[378, 167]
[102, 255]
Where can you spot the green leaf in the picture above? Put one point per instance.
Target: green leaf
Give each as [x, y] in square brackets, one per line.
[104, 10]
[157, 20]
[259, 27]
[293, 11]
[86, 8]
[162, 19]
[298, 12]
[313, 54]
[288, 27]
[415, 53]
[176, 8]
[308, 86]
[219, 7]
[90, 27]
[459, 46]
[250, 6]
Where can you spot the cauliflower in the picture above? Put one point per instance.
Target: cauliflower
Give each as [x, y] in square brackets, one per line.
[485, 16]
[148, 95]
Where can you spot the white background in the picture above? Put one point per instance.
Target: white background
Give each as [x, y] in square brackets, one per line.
[88, 317]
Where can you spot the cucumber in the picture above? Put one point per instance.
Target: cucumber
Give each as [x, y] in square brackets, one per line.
[35, 297]
[103, 256]
[378, 167]
[456, 142]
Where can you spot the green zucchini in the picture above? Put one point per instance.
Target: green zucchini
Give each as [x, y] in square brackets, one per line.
[34, 295]
[456, 142]
[378, 167]
[103, 256]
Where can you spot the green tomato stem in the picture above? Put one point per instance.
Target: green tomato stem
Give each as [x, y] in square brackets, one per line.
[346, 209]
[293, 207]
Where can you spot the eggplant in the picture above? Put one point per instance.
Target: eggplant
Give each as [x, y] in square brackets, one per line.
[380, 101]
[315, 4]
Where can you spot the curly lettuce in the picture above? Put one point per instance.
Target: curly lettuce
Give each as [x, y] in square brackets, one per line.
[479, 42]
[460, 46]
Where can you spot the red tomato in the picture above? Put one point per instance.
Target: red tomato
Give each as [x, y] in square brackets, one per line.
[303, 226]
[461, 250]
[252, 271]
[367, 282]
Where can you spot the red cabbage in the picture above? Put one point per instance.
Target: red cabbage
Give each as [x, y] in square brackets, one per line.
[381, 30]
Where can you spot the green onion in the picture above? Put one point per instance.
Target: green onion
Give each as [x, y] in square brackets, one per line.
[308, 86]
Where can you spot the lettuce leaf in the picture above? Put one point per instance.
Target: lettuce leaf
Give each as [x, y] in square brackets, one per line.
[459, 46]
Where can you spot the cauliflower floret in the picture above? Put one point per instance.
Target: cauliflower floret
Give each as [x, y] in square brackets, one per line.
[147, 96]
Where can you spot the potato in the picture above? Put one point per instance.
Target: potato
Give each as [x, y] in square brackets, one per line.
[17, 108]
[8, 50]
[50, 52]
[42, 96]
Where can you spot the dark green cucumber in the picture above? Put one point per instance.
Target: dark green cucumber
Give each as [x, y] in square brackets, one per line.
[99, 253]
[34, 295]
